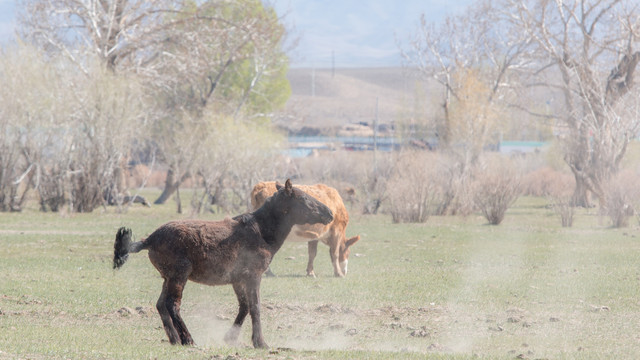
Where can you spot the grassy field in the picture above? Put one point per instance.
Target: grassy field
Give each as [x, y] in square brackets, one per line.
[451, 288]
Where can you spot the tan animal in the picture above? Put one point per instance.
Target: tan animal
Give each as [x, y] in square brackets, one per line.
[332, 234]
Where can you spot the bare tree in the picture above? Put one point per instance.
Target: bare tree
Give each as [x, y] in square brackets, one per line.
[217, 67]
[121, 33]
[106, 116]
[190, 56]
[473, 64]
[466, 43]
[26, 91]
[64, 133]
[238, 156]
[585, 55]
[91, 127]
[580, 53]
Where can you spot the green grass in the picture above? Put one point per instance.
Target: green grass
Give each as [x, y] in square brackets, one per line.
[453, 288]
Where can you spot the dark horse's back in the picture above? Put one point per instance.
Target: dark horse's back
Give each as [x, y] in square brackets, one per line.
[206, 250]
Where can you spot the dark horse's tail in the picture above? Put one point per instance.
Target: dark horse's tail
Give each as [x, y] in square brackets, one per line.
[123, 246]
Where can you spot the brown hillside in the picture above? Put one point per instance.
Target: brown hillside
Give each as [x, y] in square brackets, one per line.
[326, 100]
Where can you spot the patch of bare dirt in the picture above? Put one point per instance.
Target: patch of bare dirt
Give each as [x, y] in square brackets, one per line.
[139, 311]
[48, 232]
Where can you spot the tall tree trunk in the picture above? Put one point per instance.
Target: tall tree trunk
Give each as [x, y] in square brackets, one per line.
[178, 200]
[581, 192]
[171, 184]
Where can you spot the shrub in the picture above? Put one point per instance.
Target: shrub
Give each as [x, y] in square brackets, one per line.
[496, 188]
[621, 193]
[412, 190]
[357, 174]
[540, 182]
[454, 179]
[560, 191]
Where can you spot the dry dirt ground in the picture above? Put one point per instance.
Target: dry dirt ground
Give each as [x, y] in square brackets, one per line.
[451, 288]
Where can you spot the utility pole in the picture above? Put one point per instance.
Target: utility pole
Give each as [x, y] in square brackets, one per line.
[313, 82]
[375, 139]
[333, 64]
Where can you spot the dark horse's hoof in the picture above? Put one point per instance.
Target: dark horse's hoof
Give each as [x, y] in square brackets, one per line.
[260, 345]
[269, 273]
[231, 337]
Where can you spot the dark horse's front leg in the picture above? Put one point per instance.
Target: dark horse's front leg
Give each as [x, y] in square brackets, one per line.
[248, 295]
[253, 293]
[231, 337]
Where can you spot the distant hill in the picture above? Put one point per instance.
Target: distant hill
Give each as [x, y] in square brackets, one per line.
[323, 100]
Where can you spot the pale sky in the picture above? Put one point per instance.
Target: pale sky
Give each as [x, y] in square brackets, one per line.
[353, 33]
[7, 20]
[356, 32]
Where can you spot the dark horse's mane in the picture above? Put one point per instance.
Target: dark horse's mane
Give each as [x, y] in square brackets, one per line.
[248, 220]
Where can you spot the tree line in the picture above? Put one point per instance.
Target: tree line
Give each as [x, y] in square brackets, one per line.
[91, 86]
[568, 65]
[190, 86]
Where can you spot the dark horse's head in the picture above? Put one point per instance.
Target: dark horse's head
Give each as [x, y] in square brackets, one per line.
[301, 207]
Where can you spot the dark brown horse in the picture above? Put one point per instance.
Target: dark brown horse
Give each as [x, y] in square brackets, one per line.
[232, 251]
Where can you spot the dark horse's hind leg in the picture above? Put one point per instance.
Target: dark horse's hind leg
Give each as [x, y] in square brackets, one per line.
[169, 308]
[167, 323]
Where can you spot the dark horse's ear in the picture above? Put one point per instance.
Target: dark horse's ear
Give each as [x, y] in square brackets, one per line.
[278, 185]
[288, 188]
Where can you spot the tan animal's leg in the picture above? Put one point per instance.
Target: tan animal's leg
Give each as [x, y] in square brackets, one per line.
[313, 251]
[334, 251]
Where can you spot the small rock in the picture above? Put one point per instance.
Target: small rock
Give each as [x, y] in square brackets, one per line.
[351, 331]
[599, 308]
[141, 311]
[420, 332]
[125, 311]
